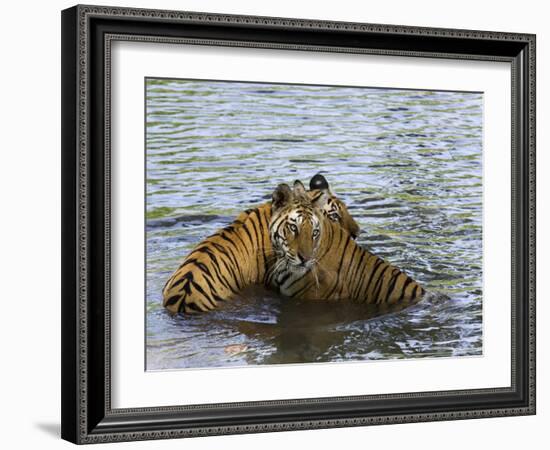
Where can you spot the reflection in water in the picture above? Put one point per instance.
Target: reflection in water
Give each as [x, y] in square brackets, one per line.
[309, 331]
[408, 165]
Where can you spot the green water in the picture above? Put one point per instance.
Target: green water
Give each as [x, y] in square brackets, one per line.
[407, 163]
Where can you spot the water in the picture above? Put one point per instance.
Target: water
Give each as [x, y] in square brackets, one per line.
[408, 165]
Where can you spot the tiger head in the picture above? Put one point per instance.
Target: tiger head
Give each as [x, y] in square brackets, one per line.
[335, 209]
[297, 223]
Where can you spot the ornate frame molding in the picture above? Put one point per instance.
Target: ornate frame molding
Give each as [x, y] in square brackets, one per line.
[86, 422]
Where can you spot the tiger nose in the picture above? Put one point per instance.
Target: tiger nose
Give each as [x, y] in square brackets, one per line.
[302, 257]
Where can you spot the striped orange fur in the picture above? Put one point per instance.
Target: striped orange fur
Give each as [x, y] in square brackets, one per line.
[318, 260]
[239, 255]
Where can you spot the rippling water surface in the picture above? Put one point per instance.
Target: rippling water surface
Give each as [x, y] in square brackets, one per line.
[407, 163]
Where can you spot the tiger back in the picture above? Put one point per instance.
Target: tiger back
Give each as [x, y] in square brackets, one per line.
[319, 260]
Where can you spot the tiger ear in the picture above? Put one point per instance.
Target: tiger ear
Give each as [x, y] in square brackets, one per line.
[281, 196]
[299, 189]
[319, 182]
[321, 201]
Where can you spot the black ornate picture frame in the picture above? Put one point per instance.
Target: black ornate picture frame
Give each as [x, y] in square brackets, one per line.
[87, 35]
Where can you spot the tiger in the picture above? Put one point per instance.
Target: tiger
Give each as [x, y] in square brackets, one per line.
[318, 260]
[240, 255]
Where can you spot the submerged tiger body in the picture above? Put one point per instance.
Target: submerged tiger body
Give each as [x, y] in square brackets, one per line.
[240, 255]
[318, 260]
[222, 265]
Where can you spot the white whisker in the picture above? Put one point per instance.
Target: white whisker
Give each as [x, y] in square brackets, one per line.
[314, 272]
